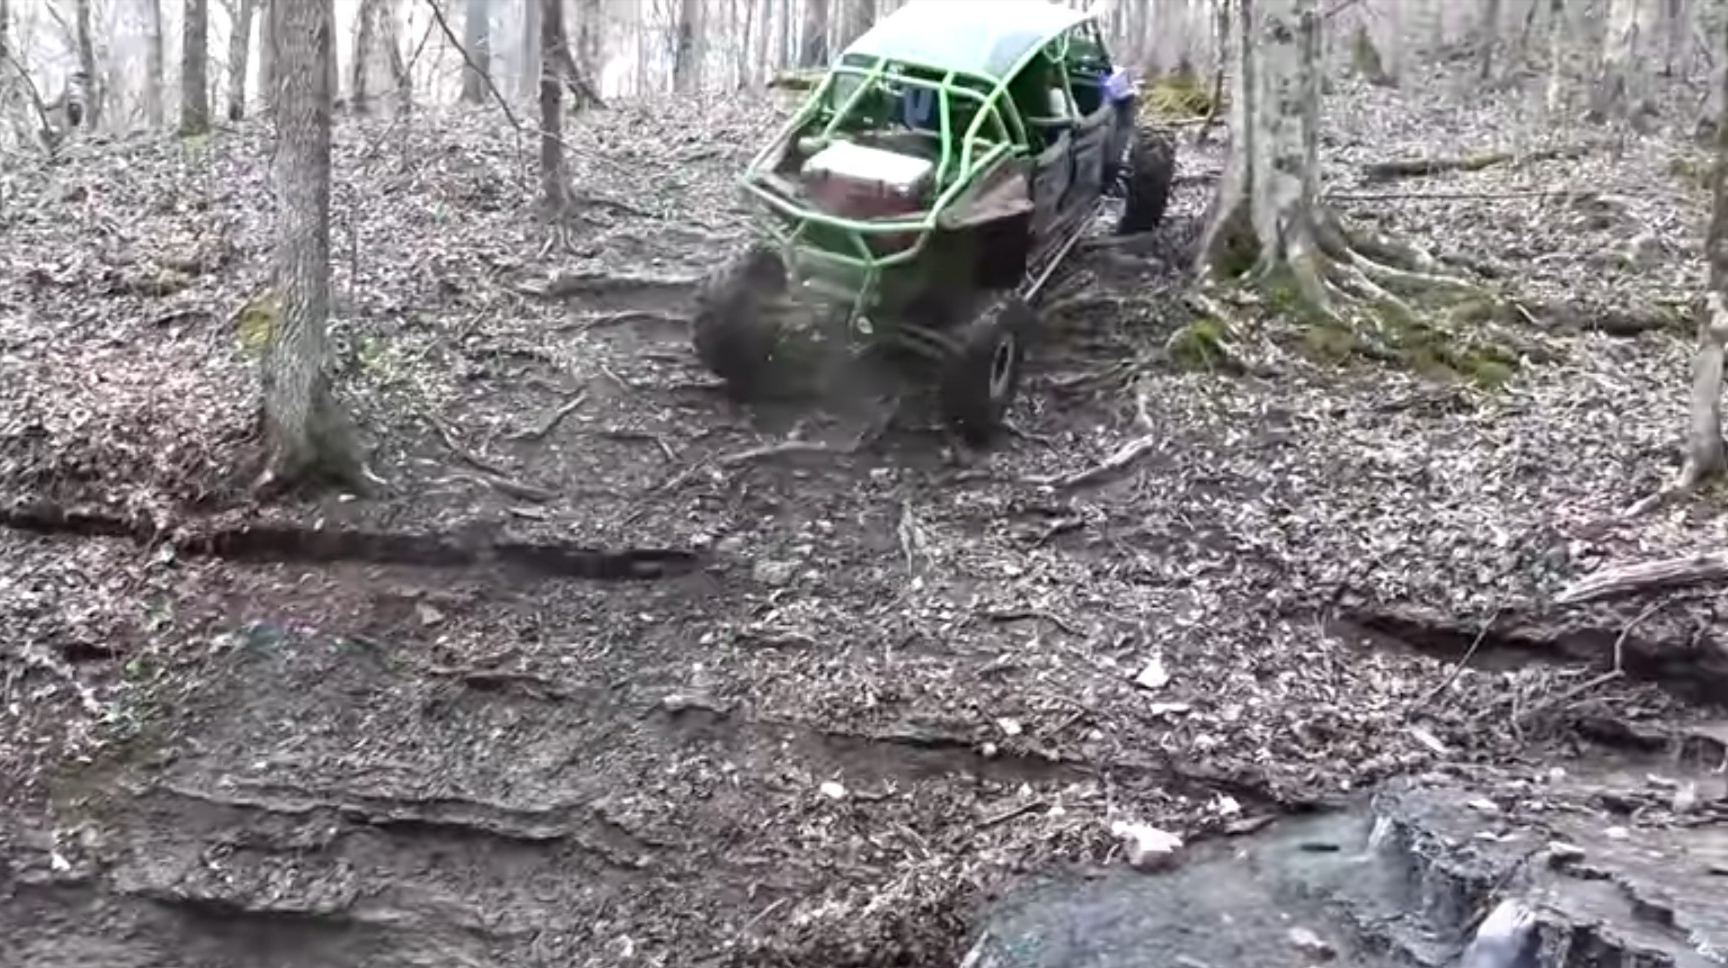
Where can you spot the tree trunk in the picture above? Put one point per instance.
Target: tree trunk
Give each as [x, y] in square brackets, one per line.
[368, 24]
[477, 40]
[760, 66]
[239, 54]
[1488, 38]
[1704, 453]
[390, 40]
[1265, 214]
[91, 109]
[1139, 25]
[1561, 53]
[1267, 224]
[859, 16]
[783, 39]
[1676, 36]
[307, 436]
[554, 195]
[154, 65]
[528, 76]
[1619, 85]
[813, 44]
[194, 65]
[590, 36]
[267, 53]
[686, 51]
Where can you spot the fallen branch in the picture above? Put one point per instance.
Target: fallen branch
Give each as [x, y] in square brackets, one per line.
[551, 420]
[1651, 575]
[495, 475]
[1458, 666]
[619, 319]
[1421, 167]
[1124, 455]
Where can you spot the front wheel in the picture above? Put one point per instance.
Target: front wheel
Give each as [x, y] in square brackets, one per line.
[736, 329]
[982, 373]
[1151, 171]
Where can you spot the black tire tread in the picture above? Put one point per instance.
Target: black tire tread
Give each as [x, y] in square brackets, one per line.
[965, 378]
[1151, 172]
[732, 329]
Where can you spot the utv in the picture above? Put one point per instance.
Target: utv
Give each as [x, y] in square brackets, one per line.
[926, 190]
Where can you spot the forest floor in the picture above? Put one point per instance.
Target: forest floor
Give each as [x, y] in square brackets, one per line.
[900, 674]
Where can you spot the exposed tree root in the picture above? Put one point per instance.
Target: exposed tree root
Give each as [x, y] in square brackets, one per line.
[1359, 294]
[1630, 579]
[248, 540]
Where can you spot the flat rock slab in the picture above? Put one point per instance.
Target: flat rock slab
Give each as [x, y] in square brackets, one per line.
[1400, 879]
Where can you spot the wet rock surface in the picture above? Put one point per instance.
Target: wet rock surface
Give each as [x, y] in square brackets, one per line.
[1403, 877]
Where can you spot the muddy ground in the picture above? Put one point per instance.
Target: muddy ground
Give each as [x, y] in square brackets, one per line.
[898, 675]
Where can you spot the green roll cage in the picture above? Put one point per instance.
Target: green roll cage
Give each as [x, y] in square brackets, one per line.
[962, 160]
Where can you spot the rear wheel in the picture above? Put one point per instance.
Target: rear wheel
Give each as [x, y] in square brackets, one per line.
[737, 331]
[1151, 170]
[981, 376]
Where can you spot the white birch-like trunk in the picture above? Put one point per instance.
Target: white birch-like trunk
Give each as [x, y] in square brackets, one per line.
[1620, 84]
[1268, 225]
[1267, 198]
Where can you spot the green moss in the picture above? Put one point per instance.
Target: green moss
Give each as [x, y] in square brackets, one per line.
[1392, 335]
[1200, 345]
[1330, 342]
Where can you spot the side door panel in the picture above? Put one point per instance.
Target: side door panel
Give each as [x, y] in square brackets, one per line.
[1052, 175]
[1091, 144]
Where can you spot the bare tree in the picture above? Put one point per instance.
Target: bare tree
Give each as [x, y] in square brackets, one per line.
[528, 76]
[154, 64]
[554, 195]
[86, 81]
[1705, 457]
[377, 47]
[8, 72]
[1677, 21]
[813, 44]
[307, 436]
[194, 65]
[1268, 224]
[760, 64]
[858, 16]
[1620, 87]
[239, 51]
[366, 30]
[783, 39]
[477, 40]
[686, 51]
[590, 37]
[1488, 35]
[267, 53]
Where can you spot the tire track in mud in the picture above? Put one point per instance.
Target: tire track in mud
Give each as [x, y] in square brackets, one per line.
[293, 543]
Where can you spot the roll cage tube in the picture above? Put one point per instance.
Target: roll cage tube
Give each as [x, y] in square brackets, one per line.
[991, 104]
